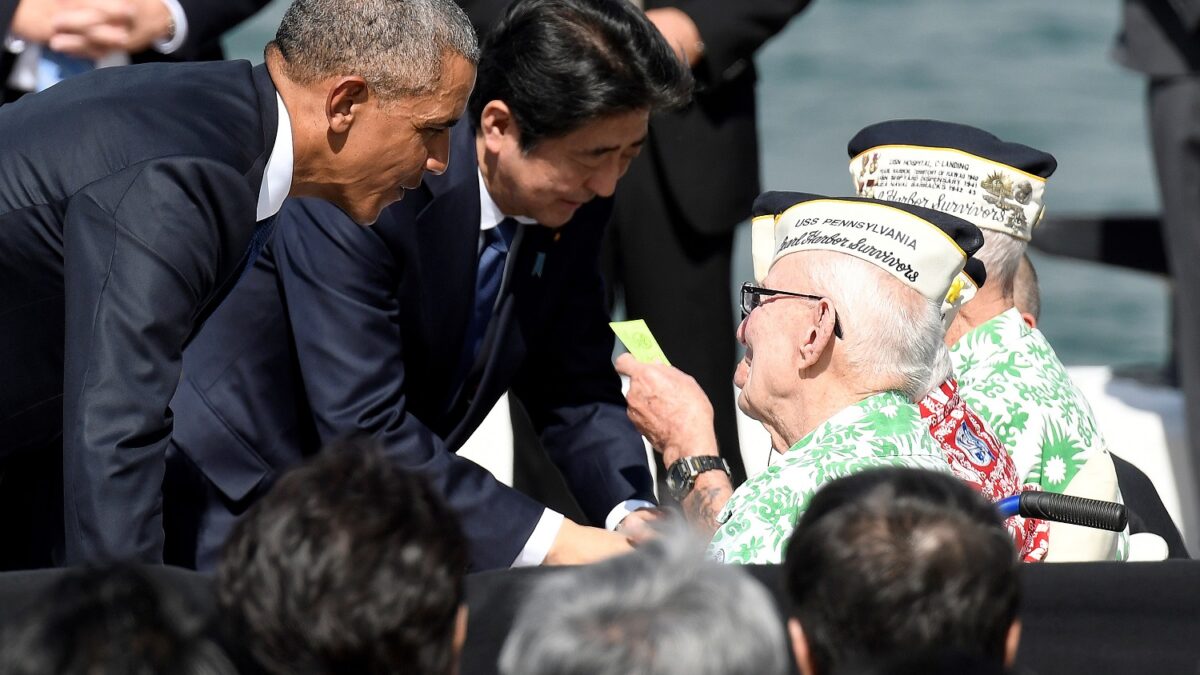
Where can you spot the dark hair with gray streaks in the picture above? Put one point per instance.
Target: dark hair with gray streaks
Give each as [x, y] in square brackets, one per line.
[662, 610]
[398, 46]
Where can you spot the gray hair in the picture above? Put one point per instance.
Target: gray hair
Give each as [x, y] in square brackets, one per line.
[1001, 255]
[398, 46]
[1027, 296]
[894, 336]
[662, 610]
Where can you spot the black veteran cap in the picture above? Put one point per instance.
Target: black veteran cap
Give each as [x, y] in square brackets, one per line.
[924, 249]
[953, 168]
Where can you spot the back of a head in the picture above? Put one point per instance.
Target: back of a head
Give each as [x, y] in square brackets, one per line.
[109, 620]
[348, 564]
[398, 47]
[659, 611]
[559, 64]
[894, 562]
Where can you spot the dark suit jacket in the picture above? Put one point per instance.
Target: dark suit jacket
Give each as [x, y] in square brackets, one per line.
[127, 200]
[207, 22]
[1160, 37]
[340, 329]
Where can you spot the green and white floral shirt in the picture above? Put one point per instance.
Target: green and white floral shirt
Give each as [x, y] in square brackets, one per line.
[882, 430]
[1010, 375]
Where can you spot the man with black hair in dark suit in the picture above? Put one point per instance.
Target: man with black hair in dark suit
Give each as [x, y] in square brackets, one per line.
[132, 200]
[86, 33]
[484, 279]
[670, 245]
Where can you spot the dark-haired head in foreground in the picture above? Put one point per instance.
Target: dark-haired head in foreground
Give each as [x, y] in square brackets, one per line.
[109, 620]
[348, 565]
[562, 101]
[894, 562]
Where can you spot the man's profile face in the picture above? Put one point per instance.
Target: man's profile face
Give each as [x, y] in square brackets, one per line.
[772, 335]
[558, 175]
[393, 143]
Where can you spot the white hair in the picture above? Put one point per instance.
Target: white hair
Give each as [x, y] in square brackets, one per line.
[1001, 256]
[893, 335]
[661, 610]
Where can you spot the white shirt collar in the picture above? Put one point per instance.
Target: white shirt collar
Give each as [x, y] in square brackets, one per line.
[490, 214]
[277, 177]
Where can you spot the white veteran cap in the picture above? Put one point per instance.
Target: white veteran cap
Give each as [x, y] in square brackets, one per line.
[924, 249]
[955, 169]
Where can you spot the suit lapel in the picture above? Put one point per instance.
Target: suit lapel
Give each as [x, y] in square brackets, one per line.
[447, 236]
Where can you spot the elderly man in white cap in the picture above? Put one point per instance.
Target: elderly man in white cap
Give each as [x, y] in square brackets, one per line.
[1005, 368]
[843, 335]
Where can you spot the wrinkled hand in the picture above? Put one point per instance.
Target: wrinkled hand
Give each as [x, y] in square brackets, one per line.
[94, 28]
[679, 31]
[669, 409]
[579, 545]
[640, 526]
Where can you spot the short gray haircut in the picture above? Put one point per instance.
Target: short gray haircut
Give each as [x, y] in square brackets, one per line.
[893, 335]
[1001, 255]
[1027, 296]
[398, 46]
[661, 610]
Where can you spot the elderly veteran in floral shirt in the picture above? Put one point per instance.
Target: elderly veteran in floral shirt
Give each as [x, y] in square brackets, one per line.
[841, 337]
[1007, 371]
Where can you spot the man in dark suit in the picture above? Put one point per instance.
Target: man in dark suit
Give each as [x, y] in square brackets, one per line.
[671, 244]
[1161, 38]
[131, 200]
[87, 32]
[412, 330]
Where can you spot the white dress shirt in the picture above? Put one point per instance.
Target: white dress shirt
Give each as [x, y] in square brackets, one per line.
[277, 176]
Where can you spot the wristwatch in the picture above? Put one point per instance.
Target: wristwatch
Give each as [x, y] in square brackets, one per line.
[681, 477]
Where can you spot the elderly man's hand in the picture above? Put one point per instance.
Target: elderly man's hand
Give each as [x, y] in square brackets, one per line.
[669, 409]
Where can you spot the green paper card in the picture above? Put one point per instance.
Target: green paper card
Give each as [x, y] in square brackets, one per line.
[636, 337]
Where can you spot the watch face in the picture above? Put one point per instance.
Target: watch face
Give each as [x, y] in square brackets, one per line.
[676, 477]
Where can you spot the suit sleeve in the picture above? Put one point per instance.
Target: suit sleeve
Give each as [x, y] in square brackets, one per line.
[733, 31]
[208, 21]
[339, 282]
[143, 252]
[573, 394]
[8, 8]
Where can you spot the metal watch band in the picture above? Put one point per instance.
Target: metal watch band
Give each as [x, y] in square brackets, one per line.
[693, 467]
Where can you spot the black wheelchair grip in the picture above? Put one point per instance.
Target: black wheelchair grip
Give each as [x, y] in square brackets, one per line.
[1074, 510]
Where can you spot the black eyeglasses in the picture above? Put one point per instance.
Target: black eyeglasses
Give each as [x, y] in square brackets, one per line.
[752, 297]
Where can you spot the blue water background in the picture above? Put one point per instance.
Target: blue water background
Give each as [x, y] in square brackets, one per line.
[1031, 71]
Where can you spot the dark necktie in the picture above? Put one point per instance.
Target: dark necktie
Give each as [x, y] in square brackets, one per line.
[487, 288]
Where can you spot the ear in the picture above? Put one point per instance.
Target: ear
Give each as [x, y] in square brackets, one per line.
[343, 100]
[800, 647]
[498, 126]
[1029, 319]
[1011, 642]
[819, 335]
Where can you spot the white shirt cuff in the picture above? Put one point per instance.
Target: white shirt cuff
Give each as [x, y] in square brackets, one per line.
[625, 508]
[181, 28]
[541, 540]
